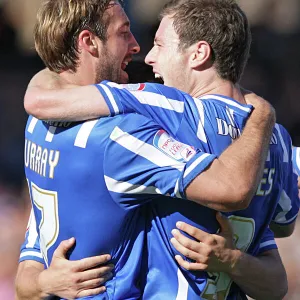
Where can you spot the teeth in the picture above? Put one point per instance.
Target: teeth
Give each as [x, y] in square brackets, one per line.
[126, 63]
[158, 76]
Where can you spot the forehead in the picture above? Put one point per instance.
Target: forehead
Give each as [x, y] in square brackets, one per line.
[117, 16]
[165, 31]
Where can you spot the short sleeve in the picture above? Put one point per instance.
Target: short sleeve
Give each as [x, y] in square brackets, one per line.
[287, 209]
[30, 249]
[267, 242]
[143, 162]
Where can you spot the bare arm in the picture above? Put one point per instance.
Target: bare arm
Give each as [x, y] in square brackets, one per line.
[282, 231]
[262, 277]
[64, 278]
[48, 96]
[231, 181]
[223, 186]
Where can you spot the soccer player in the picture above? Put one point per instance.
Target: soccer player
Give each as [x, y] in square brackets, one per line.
[202, 66]
[91, 175]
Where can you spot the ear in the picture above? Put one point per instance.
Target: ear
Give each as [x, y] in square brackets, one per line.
[87, 42]
[200, 54]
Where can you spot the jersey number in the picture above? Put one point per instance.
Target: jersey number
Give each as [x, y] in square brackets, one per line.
[46, 202]
[219, 285]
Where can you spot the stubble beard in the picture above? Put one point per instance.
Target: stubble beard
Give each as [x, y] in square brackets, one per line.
[107, 68]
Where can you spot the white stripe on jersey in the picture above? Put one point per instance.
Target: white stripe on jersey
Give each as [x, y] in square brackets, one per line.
[84, 133]
[227, 101]
[230, 115]
[183, 286]
[111, 98]
[31, 253]
[32, 232]
[269, 156]
[176, 190]
[145, 150]
[267, 243]
[285, 152]
[128, 188]
[200, 131]
[195, 164]
[158, 100]
[50, 134]
[32, 124]
[286, 205]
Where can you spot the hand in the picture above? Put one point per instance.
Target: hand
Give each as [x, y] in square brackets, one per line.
[211, 252]
[73, 279]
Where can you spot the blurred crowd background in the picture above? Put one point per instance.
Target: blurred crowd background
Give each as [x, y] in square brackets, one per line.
[273, 72]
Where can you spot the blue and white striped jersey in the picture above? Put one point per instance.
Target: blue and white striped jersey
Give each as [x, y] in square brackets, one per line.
[296, 160]
[210, 123]
[94, 180]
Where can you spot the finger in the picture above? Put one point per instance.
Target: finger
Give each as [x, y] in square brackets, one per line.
[192, 231]
[91, 292]
[64, 247]
[187, 242]
[190, 266]
[91, 262]
[224, 223]
[188, 253]
[95, 283]
[197, 233]
[96, 273]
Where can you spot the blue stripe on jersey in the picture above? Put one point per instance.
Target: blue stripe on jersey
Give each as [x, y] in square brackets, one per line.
[296, 159]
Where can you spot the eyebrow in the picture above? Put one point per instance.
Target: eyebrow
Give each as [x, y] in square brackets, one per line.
[127, 24]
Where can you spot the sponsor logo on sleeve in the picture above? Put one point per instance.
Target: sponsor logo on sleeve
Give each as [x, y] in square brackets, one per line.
[174, 149]
[135, 86]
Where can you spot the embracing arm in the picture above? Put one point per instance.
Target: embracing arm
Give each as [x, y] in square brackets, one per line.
[282, 231]
[262, 277]
[48, 95]
[64, 278]
[232, 179]
[27, 283]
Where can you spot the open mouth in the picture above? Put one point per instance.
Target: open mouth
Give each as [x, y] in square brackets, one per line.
[124, 65]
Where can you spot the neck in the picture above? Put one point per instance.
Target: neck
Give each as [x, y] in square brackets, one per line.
[213, 84]
[85, 73]
[80, 77]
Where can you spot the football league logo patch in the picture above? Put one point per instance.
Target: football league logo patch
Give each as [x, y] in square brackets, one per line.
[174, 149]
[135, 86]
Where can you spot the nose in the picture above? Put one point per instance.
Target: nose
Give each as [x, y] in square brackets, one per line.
[149, 59]
[134, 46]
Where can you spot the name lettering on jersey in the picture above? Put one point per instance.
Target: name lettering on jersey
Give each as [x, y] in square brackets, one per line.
[41, 160]
[266, 183]
[59, 124]
[227, 129]
[176, 150]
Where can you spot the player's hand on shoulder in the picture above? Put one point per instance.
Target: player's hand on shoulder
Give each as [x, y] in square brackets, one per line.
[74, 279]
[210, 252]
[259, 103]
